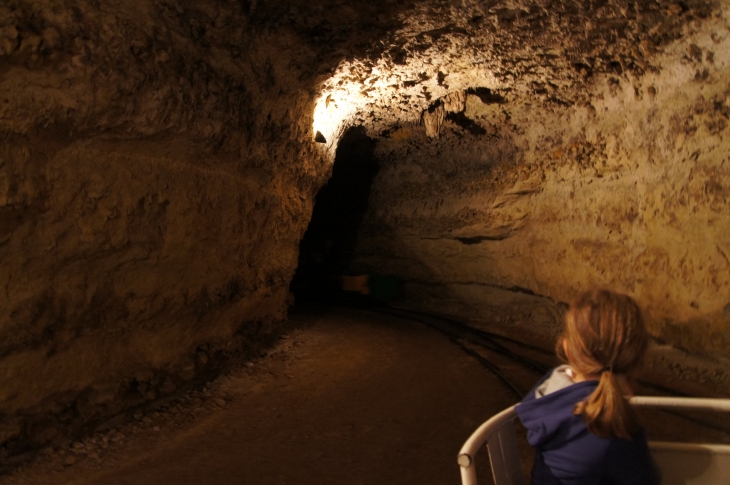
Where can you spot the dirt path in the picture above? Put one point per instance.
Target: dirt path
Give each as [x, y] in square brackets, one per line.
[348, 398]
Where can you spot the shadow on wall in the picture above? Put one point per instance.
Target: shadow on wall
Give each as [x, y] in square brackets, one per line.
[424, 286]
[328, 247]
[443, 212]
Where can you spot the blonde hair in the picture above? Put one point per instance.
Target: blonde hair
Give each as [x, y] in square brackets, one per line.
[605, 335]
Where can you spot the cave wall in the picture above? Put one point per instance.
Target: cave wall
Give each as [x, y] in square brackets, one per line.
[157, 172]
[519, 199]
[158, 168]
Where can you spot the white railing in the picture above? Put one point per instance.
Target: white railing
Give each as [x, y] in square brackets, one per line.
[680, 463]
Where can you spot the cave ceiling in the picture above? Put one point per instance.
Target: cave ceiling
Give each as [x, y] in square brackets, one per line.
[382, 64]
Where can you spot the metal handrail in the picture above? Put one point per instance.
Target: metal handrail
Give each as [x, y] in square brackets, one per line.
[477, 440]
[709, 404]
[482, 434]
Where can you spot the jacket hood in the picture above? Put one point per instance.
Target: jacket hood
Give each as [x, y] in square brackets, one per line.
[549, 419]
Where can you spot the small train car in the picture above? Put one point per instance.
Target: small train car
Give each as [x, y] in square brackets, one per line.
[377, 288]
[680, 463]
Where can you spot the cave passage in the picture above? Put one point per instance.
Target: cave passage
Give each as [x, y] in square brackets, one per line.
[163, 194]
[328, 247]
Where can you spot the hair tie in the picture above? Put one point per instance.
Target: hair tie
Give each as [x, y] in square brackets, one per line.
[608, 368]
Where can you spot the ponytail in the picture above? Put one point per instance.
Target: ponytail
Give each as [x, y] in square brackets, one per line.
[605, 336]
[606, 411]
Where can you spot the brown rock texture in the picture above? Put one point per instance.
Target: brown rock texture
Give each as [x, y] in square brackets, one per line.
[159, 161]
[529, 195]
[156, 175]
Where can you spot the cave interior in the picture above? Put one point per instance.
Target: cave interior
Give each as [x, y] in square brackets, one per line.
[175, 175]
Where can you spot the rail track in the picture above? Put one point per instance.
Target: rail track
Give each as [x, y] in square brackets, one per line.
[517, 364]
[476, 343]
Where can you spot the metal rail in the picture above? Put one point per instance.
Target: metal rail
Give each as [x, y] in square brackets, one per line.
[458, 332]
[454, 339]
[475, 337]
[707, 404]
[488, 429]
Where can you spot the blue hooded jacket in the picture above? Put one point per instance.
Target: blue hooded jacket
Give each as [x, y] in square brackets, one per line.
[568, 454]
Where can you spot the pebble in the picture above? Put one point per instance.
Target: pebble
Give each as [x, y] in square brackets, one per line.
[220, 402]
[70, 460]
[156, 428]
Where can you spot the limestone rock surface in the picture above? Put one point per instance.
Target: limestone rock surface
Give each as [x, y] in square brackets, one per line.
[159, 161]
[525, 201]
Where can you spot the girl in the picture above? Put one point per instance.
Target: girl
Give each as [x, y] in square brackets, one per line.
[583, 428]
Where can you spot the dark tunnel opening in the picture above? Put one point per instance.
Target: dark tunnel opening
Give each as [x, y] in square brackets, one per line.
[328, 246]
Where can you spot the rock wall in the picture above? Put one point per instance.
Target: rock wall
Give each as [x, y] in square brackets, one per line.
[522, 198]
[157, 171]
[159, 162]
